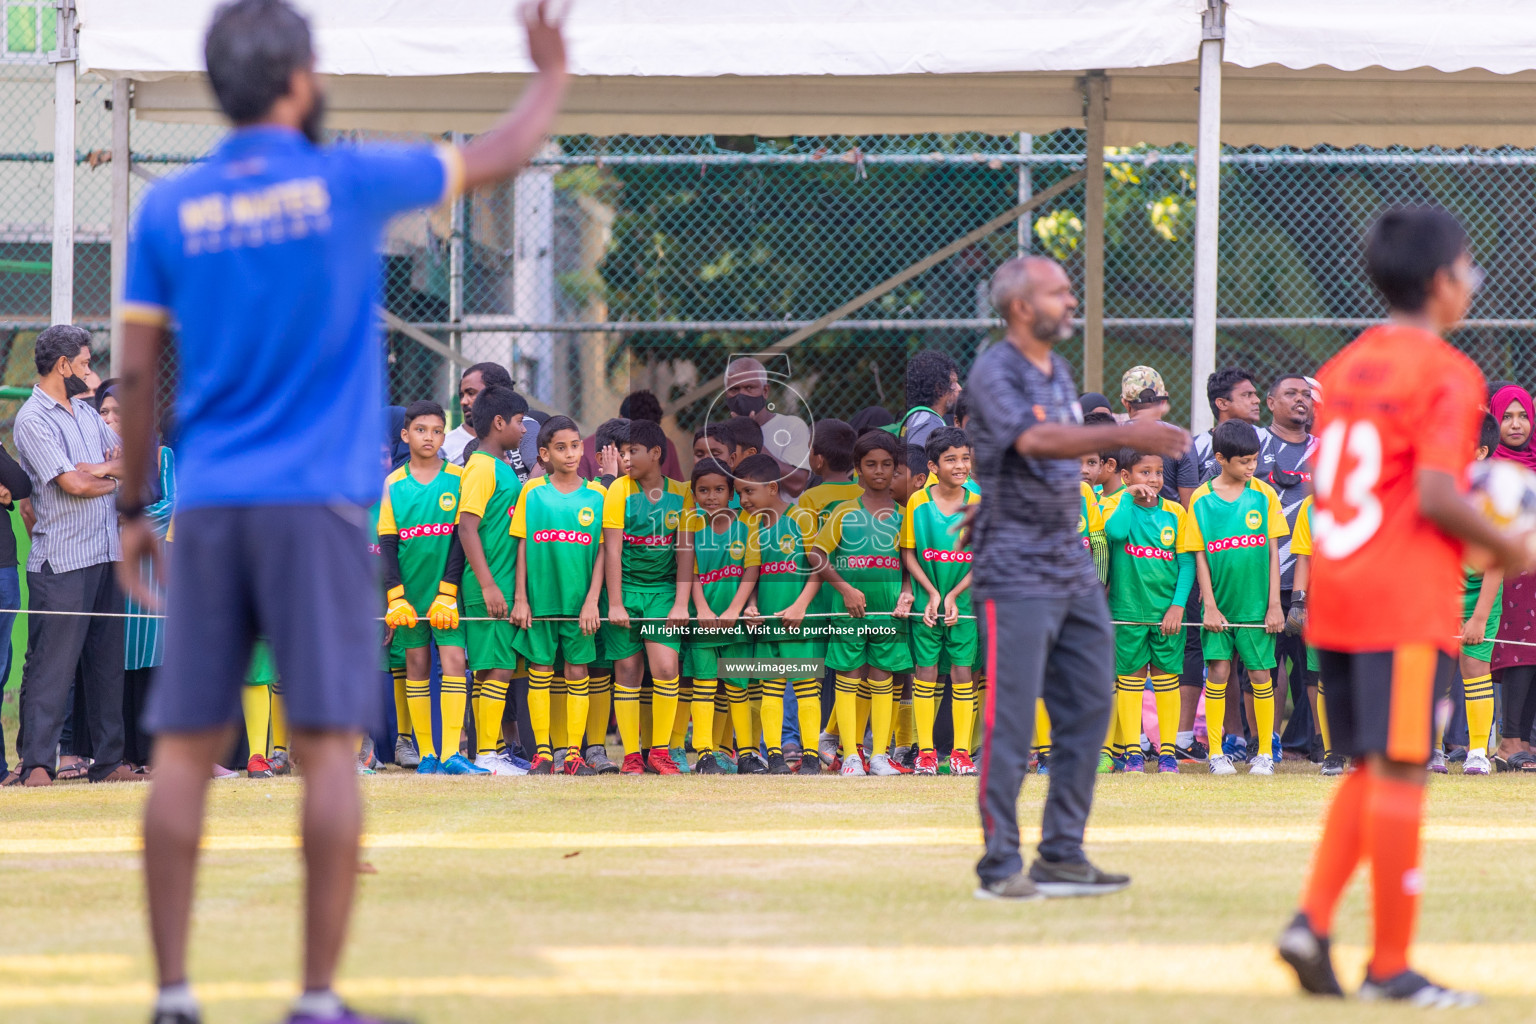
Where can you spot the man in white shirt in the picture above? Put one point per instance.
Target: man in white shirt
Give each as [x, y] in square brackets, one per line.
[786, 438]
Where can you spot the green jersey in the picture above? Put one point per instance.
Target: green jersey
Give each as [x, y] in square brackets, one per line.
[489, 489]
[720, 557]
[863, 549]
[1147, 574]
[650, 531]
[782, 562]
[422, 515]
[935, 539]
[1235, 537]
[563, 535]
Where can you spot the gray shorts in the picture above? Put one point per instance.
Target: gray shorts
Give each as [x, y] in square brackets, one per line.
[299, 575]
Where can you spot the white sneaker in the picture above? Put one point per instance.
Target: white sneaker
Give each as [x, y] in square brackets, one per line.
[221, 773]
[853, 767]
[1221, 764]
[1262, 764]
[496, 764]
[827, 746]
[880, 764]
[1437, 763]
[1477, 763]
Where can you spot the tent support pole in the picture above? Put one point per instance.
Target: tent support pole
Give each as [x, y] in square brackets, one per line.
[62, 310]
[1207, 211]
[1095, 89]
[122, 170]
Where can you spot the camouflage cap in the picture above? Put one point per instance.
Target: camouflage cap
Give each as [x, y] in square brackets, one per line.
[1137, 381]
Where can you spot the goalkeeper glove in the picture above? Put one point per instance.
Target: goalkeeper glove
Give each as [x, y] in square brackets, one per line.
[400, 612]
[444, 613]
[1296, 619]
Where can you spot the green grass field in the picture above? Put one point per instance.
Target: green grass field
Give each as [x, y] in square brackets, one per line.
[728, 899]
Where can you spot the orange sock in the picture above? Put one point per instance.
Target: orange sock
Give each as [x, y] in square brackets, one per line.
[1338, 852]
[1394, 813]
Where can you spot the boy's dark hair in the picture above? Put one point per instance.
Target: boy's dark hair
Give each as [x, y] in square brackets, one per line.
[1110, 455]
[743, 432]
[876, 440]
[61, 341]
[962, 408]
[833, 441]
[611, 432]
[1098, 418]
[942, 440]
[1126, 458]
[495, 401]
[423, 407]
[1222, 383]
[1406, 247]
[641, 405]
[1488, 434]
[761, 469]
[1235, 439]
[917, 459]
[718, 432]
[705, 467]
[928, 375]
[646, 434]
[553, 426]
[252, 49]
[491, 374]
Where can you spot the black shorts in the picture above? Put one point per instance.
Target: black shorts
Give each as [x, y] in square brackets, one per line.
[1383, 702]
[299, 575]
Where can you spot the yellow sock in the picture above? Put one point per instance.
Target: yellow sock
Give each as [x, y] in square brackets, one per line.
[402, 707]
[599, 707]
[452, 698]
[1264, 715]
[626, 708]
[490, 706]
[704, 715]
[962, 712]
[1042, 728]
[755, 703]
[772, 716]
[558, 727]
[741, 716]
[1322, 719]
[722, 715]
[1215, 715]
[866, 708]
[578, 694]
[280, 717]
[1112, 735]
[1479, 692]
[679, 739]
[647, 693]
[847, 705]
[1165, 692]
[882, 713]
[539, 682]
[418, 694]
[257, 703]
[925, 712]
[906, 725]
[808, 712]
[979, 718]
[1128, 713]
[663, 711]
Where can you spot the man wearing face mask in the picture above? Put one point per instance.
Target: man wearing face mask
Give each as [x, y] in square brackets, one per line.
[72, 459]
[786, 438]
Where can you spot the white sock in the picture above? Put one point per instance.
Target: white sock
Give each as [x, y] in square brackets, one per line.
[177, 999]
[1184, 739]
[322, 1005]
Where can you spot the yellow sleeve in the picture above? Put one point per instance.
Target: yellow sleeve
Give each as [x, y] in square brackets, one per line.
[1095, 510]
[477, 485]
[807, 523]
[519, 527]
[691, 521]
[753, 558]
[1301, 539]
[831, 534]
[1278, 527]
[1190, 538]
[387, 523]
[613, 504]
[908, 537]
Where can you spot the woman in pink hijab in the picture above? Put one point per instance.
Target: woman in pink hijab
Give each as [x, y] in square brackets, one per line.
[1514, 668]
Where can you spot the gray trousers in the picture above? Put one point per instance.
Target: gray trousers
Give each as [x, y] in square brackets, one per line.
[1061, 648]
[55, 645]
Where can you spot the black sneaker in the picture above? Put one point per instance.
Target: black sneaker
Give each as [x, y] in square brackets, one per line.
[1334, 764]
[707, 765]
[1196, 751]
[1414, 989]
[1080, 879]
[777, 765]
[810, 764]
[1310, 956]
[1015, 887]
[750, 763]
[175, 1017]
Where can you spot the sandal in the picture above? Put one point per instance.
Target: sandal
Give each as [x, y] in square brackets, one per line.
[77, 770]
[1522, 762]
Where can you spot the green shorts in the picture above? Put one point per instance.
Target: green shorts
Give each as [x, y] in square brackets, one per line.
[943, 646]
[394, 653]
[1136, 647]
[856, 644]
[489, 643]
[543, 642]
[263, 671]
[422, 634]
[1312, 665]
[701, 662]
[619, 644]
[1484, 650]
[1255, 647]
